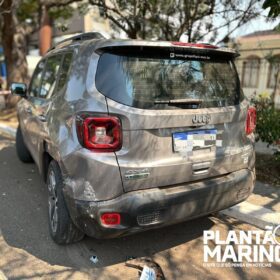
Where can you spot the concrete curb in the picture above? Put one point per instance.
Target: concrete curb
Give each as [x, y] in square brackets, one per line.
[5, 129]
[253, 214]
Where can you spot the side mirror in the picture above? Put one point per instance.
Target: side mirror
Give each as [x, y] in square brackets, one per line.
[19, 89]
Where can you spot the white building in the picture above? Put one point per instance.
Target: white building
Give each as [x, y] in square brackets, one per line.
[257, 74]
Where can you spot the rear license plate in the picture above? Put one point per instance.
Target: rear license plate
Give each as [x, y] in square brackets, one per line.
[188, 141]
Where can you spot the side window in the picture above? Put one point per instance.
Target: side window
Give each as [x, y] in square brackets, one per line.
[64, 71]
[50, 76]
[35, 84]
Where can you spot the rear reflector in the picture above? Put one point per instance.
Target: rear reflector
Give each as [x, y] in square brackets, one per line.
[111, 219]
[99, 134]
[251, 120]
[204, 46]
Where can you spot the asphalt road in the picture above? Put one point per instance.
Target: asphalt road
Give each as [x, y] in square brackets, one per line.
[27, 251]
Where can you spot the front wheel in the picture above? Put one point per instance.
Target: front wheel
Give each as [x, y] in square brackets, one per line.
[61, 227]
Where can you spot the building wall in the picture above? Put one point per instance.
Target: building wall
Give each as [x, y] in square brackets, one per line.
[258, 47]
[91, 21]
[94, 22]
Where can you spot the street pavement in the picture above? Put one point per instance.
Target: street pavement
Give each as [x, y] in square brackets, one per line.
[27, 251]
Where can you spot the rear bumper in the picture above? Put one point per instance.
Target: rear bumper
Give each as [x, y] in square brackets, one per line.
[152, 208]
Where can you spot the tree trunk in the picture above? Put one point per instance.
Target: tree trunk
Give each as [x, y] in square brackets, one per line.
[45, 33]
[15, 48]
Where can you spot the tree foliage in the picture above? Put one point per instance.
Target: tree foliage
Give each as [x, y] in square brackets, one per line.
[170, 19]
[200, 20]
[268, 125]
[274, 8]
[19, 19]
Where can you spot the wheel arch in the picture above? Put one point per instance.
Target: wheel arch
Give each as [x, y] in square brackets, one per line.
[49, 153]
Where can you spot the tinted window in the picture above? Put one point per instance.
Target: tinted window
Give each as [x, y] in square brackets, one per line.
[36, 79]
[144, 82]
[64, 71]
[50, 76]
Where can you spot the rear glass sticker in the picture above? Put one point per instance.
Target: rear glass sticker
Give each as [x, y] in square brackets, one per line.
[190, 56]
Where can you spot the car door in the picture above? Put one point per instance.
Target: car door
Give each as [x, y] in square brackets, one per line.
[27, 109]
[42, 102]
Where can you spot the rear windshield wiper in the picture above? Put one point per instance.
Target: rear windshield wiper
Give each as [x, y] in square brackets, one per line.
[171, 102]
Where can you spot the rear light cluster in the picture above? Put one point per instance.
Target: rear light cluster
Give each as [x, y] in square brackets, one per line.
[99, 133]
[111, 219]
[251, 120]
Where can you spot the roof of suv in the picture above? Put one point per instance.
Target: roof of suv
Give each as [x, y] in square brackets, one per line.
[102, 42]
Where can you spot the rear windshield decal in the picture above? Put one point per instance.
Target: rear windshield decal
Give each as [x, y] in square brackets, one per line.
[192, 56]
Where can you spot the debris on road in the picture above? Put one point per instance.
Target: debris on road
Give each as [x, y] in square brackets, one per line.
[151, 265]
[148, 274]
[94, 259]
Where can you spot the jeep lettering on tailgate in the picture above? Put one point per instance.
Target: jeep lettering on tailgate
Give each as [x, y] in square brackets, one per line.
[201, 119]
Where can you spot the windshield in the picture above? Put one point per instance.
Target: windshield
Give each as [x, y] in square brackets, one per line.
[156, 83]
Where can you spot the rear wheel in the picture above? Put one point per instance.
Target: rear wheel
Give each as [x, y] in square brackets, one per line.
[22, 151]
[61, 227]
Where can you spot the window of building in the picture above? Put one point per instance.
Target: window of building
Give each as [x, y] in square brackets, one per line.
[250, 72]
[273, 72]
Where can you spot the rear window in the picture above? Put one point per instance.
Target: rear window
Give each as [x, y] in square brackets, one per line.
[168, 81]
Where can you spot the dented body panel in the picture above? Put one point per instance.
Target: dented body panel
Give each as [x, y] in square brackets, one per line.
[146, 175]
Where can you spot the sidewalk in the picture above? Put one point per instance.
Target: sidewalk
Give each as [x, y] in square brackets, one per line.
[262, 148]
[8, 118]
[7, 130]
[266, 195]
[261, 209]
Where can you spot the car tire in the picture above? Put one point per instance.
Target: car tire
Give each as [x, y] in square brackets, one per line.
[22, 151]
[61, 227]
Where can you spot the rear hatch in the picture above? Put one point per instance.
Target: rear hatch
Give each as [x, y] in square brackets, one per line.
[182, 113]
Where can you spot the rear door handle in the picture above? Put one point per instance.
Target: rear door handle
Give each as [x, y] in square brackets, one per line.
[42, 118]
[201, 172]
[201, 168]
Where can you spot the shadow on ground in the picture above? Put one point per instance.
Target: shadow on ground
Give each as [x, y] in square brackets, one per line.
[27, 251]
[23, 223]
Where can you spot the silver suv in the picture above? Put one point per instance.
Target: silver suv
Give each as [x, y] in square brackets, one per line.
[133, 135]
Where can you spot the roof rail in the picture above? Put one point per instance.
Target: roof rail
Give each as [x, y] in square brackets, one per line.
[79, 37]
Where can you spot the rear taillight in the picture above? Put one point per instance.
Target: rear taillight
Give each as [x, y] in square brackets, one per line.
[111, 219]
[99, 134]
[251, 120]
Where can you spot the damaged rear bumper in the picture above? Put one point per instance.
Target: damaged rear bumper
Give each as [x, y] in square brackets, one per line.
[157, 207]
